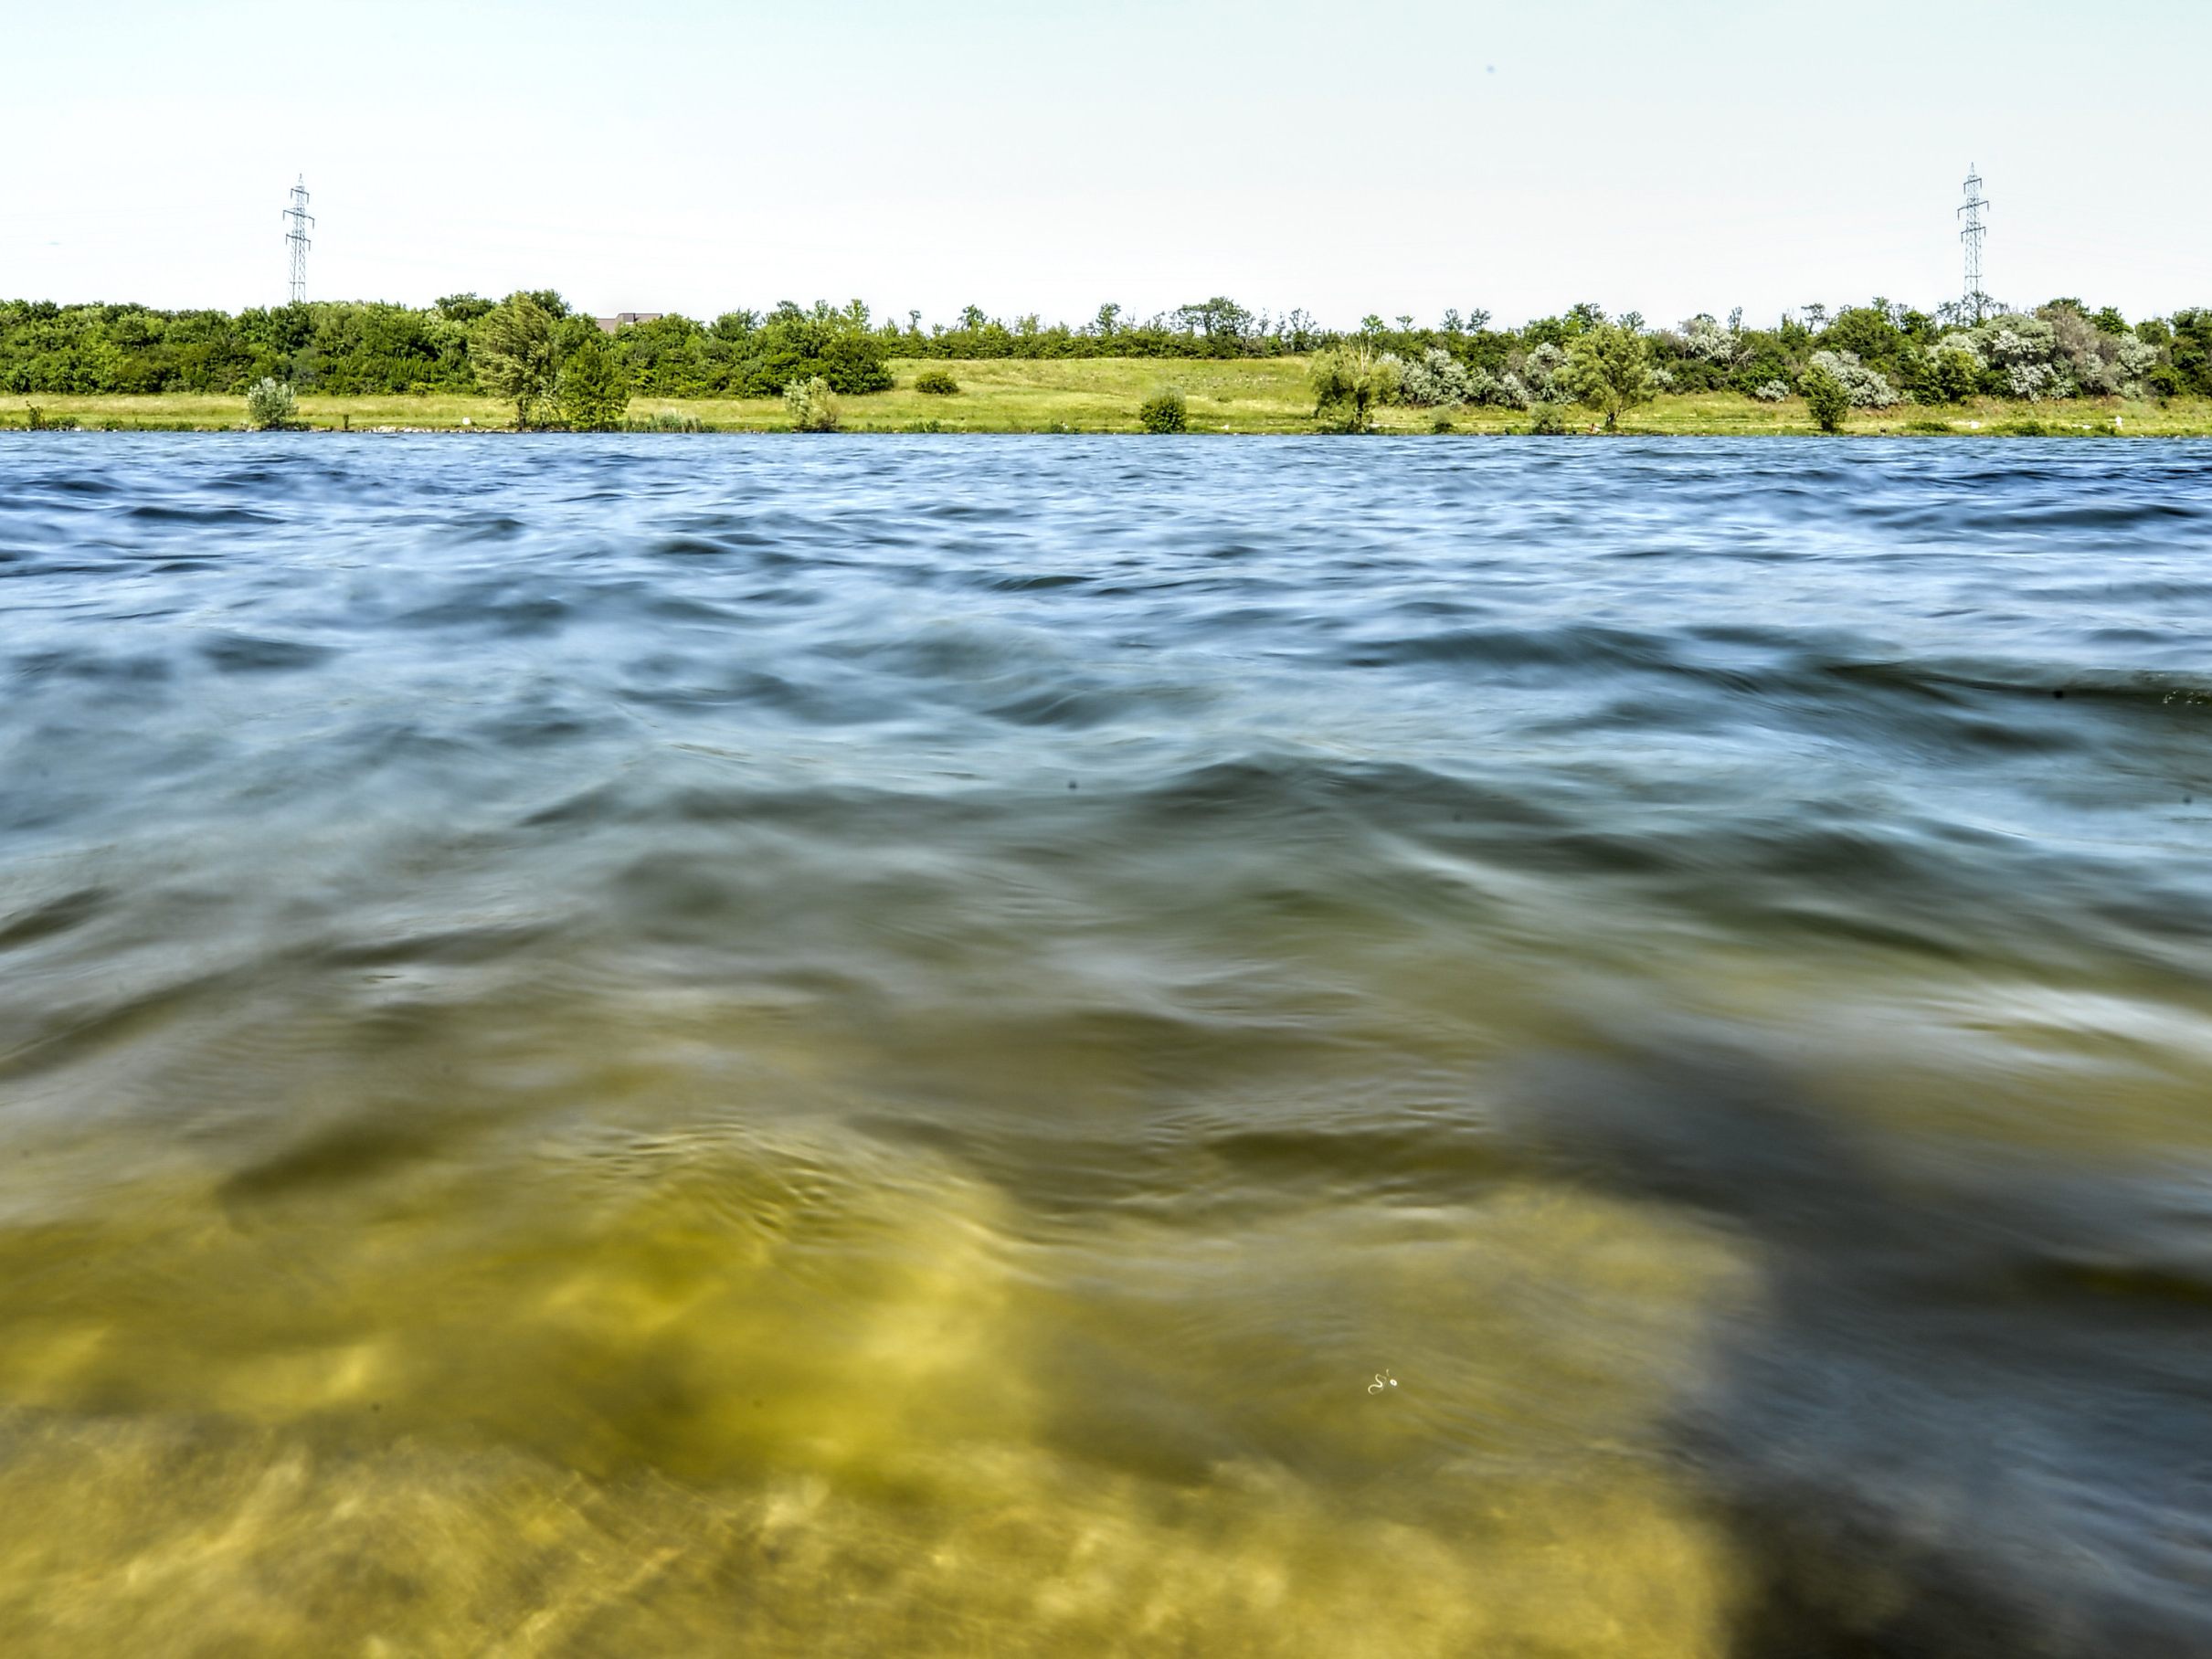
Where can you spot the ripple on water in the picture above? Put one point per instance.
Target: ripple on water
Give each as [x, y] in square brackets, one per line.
[634, 1045]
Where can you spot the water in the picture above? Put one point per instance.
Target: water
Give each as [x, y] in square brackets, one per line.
[862, 1047]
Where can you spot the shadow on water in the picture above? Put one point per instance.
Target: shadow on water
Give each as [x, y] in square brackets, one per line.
[1968, 1417]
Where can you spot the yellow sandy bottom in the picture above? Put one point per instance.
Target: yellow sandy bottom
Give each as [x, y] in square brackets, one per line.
[739, 1392]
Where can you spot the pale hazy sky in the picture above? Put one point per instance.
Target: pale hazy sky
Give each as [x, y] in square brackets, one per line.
[1394, 156]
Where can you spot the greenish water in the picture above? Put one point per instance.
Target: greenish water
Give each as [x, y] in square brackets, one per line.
[777, 1048]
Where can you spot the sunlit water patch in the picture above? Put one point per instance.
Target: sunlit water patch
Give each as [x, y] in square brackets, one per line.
[859, 1047]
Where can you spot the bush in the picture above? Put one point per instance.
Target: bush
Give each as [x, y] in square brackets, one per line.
[2020, 352]
[1827, 396]
[1548, 420]
[1866, 388]
[43, 422]
[1771, 391]
[811, 406]
[1951, 375]
[1539, 370]
[1705, 339]
[1433, 380]
[936, 383]
[2134, 359]
[269, 404]
[1163, 412]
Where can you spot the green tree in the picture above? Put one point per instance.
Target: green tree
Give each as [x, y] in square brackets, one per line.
[1348, 381]
[1827, 397]
[593, 394]
[512, 351]
[1608, 369]
[1221, 319]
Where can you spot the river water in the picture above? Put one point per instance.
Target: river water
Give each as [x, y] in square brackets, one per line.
[1104, 1047]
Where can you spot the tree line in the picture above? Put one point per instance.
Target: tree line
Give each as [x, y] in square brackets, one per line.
[1880, 353]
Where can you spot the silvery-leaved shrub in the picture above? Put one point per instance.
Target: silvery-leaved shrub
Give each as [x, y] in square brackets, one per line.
[1432, 380]
[1507, 392]
[811, 406]
[2097, 361]
[1771, 391]
[2133, 358]
[2093, 375]
[1539, 371]
[1664, 380]
[269, 404]
[1866, 388]
[1960, 341]
[1704, 337]
[2030, 382]
[2025, 354]
[2013, 341]
[2080, 351]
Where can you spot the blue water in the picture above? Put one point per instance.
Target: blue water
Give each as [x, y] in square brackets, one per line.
[769, 1045]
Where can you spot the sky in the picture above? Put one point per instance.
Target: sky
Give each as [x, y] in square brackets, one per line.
[1392, 156]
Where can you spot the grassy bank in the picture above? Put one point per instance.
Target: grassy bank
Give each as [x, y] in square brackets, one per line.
[1101, 395]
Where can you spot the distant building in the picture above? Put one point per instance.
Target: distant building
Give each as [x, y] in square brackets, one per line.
[609, 324]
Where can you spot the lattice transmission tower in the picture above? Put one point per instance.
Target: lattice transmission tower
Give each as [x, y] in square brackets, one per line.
[295, 238]
[1970, 237]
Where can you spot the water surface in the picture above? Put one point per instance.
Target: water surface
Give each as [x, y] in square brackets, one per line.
[868, 1046]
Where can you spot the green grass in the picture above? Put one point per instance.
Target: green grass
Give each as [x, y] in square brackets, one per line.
[1101, 395]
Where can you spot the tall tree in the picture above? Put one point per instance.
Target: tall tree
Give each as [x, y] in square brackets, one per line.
[512, 351]
[1348, 381]
[1608, 369]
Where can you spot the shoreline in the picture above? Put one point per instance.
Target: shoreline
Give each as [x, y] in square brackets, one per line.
[1095, 397]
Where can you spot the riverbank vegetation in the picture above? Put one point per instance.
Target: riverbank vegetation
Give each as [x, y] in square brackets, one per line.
[1273, 395]
[1886, 355]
